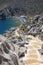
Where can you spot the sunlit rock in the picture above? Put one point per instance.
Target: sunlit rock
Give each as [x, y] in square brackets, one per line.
[33, 56]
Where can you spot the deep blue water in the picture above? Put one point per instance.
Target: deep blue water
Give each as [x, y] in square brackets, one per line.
[6, 25]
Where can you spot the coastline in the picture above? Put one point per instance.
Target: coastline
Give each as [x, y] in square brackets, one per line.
[15, 41]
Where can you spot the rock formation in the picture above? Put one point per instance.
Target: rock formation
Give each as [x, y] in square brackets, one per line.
[7, 52]
[33, 57]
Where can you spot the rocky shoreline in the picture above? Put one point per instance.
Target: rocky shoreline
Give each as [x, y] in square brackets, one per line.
[13, 42]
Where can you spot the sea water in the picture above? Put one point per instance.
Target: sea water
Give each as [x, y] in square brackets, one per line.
[6, 24]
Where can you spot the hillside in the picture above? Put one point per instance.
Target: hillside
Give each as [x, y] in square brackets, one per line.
[24, 6]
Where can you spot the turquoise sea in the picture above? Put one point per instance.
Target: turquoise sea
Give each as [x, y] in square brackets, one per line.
[6, 24]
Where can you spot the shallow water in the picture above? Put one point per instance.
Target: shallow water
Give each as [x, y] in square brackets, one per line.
[7, 24]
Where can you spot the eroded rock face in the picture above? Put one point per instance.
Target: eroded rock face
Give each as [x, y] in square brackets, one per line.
[7, 53]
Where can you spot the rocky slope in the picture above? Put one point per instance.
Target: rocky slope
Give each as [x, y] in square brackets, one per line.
[21, 7]
[14, 42]
[29, 6]
[13, 47]
[33, 26]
